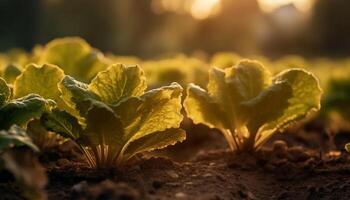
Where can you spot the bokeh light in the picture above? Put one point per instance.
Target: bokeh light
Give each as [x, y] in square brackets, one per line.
[271, 5]
[198, 9]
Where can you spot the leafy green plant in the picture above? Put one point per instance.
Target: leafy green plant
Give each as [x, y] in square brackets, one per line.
[224, 60]
[248, 105]
[113, 118]
[180, 69]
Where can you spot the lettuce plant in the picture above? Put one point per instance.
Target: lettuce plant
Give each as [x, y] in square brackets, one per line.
[113, 118]
[180, 69]
[248, 105]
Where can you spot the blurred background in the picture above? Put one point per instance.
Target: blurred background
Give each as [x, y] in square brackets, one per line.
[151, 28]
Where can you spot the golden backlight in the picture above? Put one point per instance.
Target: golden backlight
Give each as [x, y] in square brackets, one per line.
[199, 9]
[270, 5]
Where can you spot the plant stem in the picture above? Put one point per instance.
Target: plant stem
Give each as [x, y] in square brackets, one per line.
[231, 139]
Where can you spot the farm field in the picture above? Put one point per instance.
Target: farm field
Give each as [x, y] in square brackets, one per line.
[175, 99]
[260, 132]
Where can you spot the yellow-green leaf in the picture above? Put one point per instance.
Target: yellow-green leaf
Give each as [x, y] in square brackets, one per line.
[201, 108]
[306, 98]
[40, 80]
[74, 92]
[118, 82]
[75, 56]
[157, 140]
[160, 110]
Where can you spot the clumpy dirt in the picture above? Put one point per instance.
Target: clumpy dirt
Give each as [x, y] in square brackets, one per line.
[302, 163]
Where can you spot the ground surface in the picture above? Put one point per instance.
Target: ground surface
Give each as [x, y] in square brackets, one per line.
[203, 168]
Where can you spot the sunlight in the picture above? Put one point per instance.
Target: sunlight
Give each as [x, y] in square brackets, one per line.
[199, 9]
[270, 5]
[202, 9]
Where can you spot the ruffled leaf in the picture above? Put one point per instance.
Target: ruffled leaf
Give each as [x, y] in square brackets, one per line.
[21, 110]
[40, 80]
[118, 82]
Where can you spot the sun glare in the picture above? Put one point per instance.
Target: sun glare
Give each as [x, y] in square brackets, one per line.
[270, 5]
[202, 9]
[199, 9]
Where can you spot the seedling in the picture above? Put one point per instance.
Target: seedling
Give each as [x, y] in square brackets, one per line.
[113, 118]
[248, 105]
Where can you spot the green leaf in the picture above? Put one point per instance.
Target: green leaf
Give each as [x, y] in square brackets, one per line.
[249, 78]
[268, 105]
[5, 92]
[74, 93]
[61, 123]
[159, 110]
[157, 140]
[21, 110]
[306, 98]
[11, 72]
[76, 57]
[201, 108]
[40, 80]
[15, 136]
[118, 82]
[103, 126]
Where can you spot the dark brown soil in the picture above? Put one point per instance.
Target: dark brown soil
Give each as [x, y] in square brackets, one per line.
[311, 166]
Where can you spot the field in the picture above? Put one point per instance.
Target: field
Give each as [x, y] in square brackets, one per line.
[78, 123]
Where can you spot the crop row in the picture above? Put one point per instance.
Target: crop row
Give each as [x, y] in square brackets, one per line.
[67, 90]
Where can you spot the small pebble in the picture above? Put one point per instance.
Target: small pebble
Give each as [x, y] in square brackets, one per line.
[172, 174]
[298, 154]
[221, 177]
[207, 175]
[181, 195]
[280, 148]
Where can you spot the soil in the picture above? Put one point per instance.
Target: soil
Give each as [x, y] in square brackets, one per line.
[303, 162]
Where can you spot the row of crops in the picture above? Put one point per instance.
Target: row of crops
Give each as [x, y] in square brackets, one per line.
[81, 61]
[115, 107]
